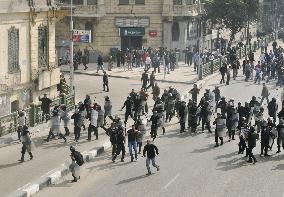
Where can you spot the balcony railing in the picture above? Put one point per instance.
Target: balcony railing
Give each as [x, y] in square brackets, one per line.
[83, 8]
[178, 9]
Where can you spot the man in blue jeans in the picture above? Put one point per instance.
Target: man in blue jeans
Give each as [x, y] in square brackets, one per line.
[151, 150]
[132, 142]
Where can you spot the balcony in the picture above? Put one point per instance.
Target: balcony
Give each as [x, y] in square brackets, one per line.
[83, 8]
[181, 8]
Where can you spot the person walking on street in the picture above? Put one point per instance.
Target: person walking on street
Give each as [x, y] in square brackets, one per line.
[21, 123]
[264, 94]
[77, 162]
[55, 127]
[27, 143]
[183, 111]
[78, 122]
[220, 130]
[151, 151]
[87, 54]
[128, 104]
[228, 75]
[252, 136]
[84, 61]
[144, 80]
[45, 107]
[93, 126]
[100, 63]
[140, 135]
[132, 142]
[156, 92]
[152, 80]
[223, 71]
[108, 109]
[120, 141]
[66, 119]
[105, 82]
[154, 127]
[194, 92]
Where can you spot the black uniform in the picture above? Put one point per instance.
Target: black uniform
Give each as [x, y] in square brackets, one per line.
[252, 136]
[120, 140]
[105, 82]
[45, 107]
[128, 104]
[144, 80]
[154, 127]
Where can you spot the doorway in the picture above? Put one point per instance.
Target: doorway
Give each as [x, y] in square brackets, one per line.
[15, 106]
[131, 42]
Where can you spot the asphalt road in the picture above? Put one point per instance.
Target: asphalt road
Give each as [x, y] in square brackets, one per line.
[50, 155]
[190, 165]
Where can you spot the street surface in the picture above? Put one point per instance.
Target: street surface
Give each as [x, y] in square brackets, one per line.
[190, 165]
[50, 155]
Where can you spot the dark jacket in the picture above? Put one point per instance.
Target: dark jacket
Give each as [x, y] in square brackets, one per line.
[252, 140]
[100, 60]
[105, 78]
[151, 150]
[45, 104]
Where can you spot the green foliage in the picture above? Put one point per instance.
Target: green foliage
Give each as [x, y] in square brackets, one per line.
[232, 14]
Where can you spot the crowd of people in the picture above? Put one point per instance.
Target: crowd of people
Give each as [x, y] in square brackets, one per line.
[246, 121]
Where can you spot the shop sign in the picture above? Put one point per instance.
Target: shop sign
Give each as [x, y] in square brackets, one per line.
[131, 31]
[83, 36]
[132, 22]
[153, 33]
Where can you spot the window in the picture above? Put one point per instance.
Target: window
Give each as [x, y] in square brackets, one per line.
[78, 2]
[177, 2]
[188, 2]
[175, 31]
[89, 26]
[42, 46]
[92, 2]
[123, 2]
[13, 50]
[140, 2]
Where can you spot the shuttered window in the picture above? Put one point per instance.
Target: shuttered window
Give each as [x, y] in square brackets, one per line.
[13, 50]
[42, 47]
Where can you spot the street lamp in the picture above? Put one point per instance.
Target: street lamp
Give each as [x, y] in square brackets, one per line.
[71, 51]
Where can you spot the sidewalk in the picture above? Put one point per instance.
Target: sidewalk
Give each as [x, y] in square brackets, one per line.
[183, 74]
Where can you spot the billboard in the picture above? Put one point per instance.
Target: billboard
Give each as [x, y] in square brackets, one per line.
[82, 36]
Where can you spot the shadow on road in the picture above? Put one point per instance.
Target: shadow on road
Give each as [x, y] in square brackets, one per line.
[9, 165]
[203, 150]
[226, 155]
[132, 179]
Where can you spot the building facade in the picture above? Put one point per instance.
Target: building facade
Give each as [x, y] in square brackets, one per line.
[272, 14]
[122, 24]
[27, 54]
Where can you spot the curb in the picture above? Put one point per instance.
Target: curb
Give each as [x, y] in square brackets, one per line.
[57, 174]
[135, 78]
[200, 84]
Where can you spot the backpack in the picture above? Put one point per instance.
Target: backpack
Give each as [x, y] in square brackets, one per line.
[78, 158]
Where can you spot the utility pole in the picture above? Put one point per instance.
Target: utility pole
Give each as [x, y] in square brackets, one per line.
[71, 52]
[199, 52]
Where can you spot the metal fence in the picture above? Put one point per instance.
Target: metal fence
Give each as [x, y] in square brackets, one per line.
[8, 123]
[242, 52]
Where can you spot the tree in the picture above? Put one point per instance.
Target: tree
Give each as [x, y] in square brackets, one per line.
[231, 14]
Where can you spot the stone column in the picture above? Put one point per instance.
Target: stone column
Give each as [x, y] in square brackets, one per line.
[167, 38]
[101, 7]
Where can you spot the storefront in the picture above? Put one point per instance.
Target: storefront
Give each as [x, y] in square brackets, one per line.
[131, 37]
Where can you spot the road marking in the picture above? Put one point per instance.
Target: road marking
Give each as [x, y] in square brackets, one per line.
[171, 181]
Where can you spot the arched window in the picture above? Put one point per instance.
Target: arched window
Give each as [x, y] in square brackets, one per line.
[89, 26]
[175, 31]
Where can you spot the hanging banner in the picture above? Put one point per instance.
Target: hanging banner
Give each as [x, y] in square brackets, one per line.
[83, 36]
